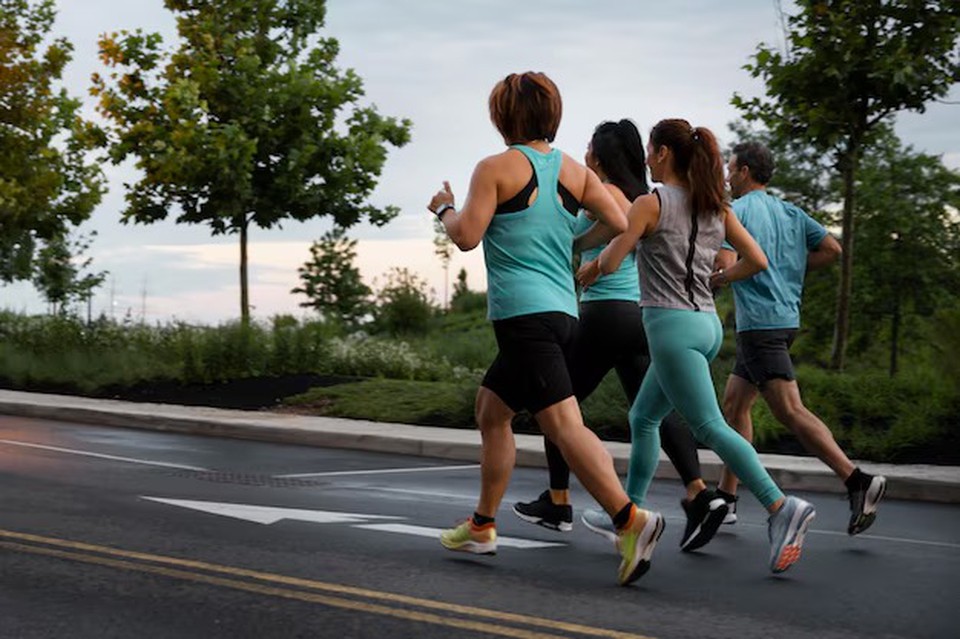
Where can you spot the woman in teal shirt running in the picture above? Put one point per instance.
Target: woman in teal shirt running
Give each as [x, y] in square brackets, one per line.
[522, 205]
[680, 228]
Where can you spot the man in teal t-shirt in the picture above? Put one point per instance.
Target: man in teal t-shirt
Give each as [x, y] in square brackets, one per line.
[768, 317]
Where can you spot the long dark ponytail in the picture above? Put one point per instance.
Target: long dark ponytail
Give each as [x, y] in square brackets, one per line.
[697, 158]
[619, 151]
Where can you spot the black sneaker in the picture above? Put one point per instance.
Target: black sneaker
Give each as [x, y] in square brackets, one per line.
[704, 516]
[863, 502]
[731, 517]
[544, 512]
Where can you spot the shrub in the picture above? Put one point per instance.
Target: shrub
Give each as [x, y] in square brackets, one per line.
[403, 304]
[363, 356]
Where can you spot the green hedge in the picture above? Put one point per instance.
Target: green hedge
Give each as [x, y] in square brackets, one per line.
[432, 379]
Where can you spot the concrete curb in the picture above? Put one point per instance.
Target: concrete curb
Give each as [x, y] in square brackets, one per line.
[914, 482]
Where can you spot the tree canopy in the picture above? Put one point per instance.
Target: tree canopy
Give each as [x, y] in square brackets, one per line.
[48, 184]
[248, 121]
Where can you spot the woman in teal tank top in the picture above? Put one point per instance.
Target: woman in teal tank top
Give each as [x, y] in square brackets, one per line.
[680, 228]
[522, 205]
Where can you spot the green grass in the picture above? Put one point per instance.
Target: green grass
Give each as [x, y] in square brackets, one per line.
[447, 404]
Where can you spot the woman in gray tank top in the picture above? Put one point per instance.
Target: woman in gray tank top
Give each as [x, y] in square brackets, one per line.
[680, 228]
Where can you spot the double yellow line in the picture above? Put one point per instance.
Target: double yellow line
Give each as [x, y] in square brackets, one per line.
[493, 622]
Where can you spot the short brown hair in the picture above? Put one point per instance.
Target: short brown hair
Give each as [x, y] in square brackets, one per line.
[525, 107]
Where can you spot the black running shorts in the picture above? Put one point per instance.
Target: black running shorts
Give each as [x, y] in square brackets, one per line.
[765, 355]
[531, 369]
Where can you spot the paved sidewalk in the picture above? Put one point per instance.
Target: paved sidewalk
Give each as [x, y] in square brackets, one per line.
[905, 481]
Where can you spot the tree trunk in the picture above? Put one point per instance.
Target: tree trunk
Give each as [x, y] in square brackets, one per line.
[244, 291]
[842, 326]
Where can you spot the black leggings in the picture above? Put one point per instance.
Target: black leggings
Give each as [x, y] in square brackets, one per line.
[611, 336]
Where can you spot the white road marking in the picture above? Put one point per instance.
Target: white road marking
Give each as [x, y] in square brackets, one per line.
[464, 497]
[86, 453]
[381, 471]
[423, 531]
[268, 514]
[835, 533]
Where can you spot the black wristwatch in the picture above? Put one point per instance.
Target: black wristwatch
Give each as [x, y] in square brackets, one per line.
[443, 209]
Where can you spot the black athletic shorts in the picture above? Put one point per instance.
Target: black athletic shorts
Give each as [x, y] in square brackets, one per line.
[765, 355]
[531, 370]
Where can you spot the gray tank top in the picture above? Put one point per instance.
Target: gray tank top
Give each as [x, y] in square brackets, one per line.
[671, 274]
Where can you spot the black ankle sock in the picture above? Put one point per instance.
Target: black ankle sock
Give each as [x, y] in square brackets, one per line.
[727, 497]
[855, 479]
[480, 520]
[622, 518]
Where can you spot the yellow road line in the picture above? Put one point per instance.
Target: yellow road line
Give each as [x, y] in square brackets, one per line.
[310, 597]
[306, 583]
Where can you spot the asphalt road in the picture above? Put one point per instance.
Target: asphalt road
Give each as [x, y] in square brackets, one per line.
[121, 533]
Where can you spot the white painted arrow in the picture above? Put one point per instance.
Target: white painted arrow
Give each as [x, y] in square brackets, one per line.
[269, 514]
[422, 531]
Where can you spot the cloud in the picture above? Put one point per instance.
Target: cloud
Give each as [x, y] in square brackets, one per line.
[435, 62]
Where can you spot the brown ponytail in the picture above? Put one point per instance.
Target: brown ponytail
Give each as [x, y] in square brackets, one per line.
[697, 158]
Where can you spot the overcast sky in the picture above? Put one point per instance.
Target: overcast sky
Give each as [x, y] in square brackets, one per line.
[435, 61]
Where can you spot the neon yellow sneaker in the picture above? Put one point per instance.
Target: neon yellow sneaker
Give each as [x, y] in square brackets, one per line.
[468, 537]
[636, 542]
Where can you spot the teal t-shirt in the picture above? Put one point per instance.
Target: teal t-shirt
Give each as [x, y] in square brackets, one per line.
[623, 284]
[529, 253]
[771, 299]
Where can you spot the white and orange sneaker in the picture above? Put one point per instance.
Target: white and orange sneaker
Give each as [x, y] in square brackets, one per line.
[787, 528]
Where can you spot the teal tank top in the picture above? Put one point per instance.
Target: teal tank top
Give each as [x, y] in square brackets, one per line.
[623, 284]
[529, 253]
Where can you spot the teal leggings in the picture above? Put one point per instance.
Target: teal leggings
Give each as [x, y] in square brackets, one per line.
[682, 345]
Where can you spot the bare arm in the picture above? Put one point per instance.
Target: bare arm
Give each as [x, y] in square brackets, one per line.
[826, 253]
[602, 205]
[467, 226]
[642, 218]
[725, 259]
[752, 258]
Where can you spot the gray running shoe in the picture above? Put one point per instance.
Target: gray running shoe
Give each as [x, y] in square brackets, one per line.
[787, 527]
[864, 501]
[599, 522]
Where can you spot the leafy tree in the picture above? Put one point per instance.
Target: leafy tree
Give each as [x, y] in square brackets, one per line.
[464, 300]
[460, 286]
[403, 303]
[331, 280]
[59, 273]
[908, 237]
[46, 183]
[848, 67]
[244, 123]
